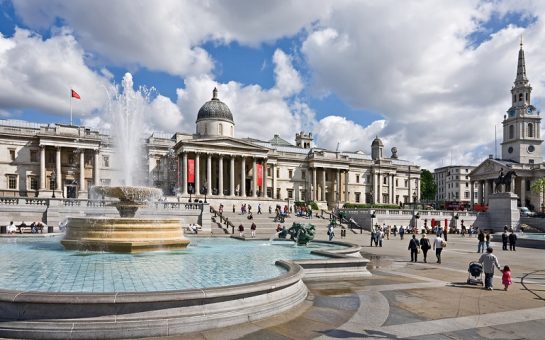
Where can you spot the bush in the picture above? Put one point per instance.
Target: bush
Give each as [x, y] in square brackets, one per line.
[313, 205]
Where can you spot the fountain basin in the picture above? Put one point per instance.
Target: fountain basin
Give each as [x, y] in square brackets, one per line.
[126, 235]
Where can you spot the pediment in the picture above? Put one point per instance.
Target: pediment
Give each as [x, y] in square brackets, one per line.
[222, 143]
[489, 168]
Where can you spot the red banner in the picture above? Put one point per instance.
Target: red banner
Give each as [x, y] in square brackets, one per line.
[191, 171]
[259, 169]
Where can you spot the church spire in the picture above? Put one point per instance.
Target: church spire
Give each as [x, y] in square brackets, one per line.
[521, 67]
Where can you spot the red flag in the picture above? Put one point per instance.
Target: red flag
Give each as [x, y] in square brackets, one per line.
[191, 171]
[75, 94]
[259, 170]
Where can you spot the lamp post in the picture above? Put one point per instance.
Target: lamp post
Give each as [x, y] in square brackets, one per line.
[54, 180]
[190, 189]
[204, 190]
[415, 215]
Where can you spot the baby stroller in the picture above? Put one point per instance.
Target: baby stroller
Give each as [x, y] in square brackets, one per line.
[475, 275]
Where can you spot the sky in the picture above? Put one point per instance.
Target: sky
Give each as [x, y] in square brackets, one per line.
[429, 77]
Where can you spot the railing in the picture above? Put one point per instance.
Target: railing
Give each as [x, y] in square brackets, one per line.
[223, 219]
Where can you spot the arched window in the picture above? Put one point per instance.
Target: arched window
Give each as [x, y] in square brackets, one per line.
[220, 129]
[511, 132]
[530, 130]
[520, 97]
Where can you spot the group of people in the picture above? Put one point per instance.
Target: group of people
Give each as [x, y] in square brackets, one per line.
[424, 245]
[35, 227]
[489, 261]
[253, 228]
[303, 211]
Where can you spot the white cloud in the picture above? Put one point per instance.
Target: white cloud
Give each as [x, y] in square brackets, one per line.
[37, 73]
[350, 135]
[288, 81]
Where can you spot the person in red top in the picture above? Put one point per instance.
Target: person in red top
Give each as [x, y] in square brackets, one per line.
[506, 277]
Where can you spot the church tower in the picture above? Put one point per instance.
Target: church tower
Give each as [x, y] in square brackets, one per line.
[521, 125]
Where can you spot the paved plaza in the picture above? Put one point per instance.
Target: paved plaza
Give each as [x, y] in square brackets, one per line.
[414, 300]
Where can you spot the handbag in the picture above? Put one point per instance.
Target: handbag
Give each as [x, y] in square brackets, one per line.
[444, 244]
[418, 250]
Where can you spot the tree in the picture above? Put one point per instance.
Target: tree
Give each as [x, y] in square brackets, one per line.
[428, 187]
[539, 187]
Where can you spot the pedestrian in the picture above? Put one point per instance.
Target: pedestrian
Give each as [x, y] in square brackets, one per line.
[379, 238]
[463, 229]
[252, 229]
[241, 230]
[330, 232]
[401, 232]
[480, 237]
[372, 236]
[259, 209]
[489, 261]
[445, 233]
[425, 245]
[234, 210]
[270, 210]
[438, 245]
[395, 230]
[487, 239]
[504, 239]
[512, 241]
[506, 277]
[414, 245]
[388, 232]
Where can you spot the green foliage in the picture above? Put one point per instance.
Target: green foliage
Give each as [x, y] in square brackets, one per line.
[368, 206]
[428, 187]
[313, 205]
[538, 186]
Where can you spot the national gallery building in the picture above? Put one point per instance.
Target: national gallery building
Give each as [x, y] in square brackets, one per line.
[56, 160]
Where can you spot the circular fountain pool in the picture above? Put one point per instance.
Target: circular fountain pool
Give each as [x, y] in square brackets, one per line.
[42, 265]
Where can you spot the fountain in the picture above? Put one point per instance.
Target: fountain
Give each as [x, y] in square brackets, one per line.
[126, 233]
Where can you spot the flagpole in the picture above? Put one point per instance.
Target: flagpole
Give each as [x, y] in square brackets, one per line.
[70, 107]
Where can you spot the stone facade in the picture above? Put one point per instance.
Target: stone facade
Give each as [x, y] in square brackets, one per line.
[453, 183]
[65, 161]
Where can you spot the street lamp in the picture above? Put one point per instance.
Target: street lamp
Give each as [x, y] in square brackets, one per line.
[415, 215]
[190, 189]
[54, 180]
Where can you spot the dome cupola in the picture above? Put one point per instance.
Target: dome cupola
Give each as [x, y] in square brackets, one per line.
[215, 118]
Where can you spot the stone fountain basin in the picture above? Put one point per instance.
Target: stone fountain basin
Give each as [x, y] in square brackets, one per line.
[126, 235]
[137, 194]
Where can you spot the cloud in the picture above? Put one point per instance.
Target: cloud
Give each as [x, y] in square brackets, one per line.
[351, 136]
[39, 73]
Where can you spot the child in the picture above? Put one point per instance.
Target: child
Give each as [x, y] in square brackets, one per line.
[506, 278]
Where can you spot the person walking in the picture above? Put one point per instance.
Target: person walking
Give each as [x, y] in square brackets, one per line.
[259, 209]
[445, 233]
[480, 237]
[504, 239]
[330, 232]
[372, 236]
[395, 230]
[425, 245]
[506, 277]
[512, 241]
[241, 230]
[487, 239]
[413, 247]
[379, 238]
[253, 227]
[401, 232]
[489, 261]
[438, 245]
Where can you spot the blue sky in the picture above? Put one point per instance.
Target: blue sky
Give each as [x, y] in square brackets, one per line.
[330, 68]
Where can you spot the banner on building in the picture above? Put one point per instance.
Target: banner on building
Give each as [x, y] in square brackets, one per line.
[191, 171]
[259, 169]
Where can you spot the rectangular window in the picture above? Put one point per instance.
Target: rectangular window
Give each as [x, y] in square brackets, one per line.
[358, 197]
[50, 157]
[278, 173]
[466, 194]
[33, 182]
[326, 176]
[12, 154]
[397, 182]
[278, 194]
[268, 172]
[368, 178]
[33, 156]
[12, 182]
[290, 193]
[303, 174]
[290, 174]
[406, 183]
[385, 180]
[357, 181]
[106, 161]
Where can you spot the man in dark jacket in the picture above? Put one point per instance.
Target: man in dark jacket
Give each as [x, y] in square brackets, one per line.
[504, 239]
[413, 247]
[512, 241]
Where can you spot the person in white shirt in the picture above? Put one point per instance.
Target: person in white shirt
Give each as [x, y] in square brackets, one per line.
[438, 244]
[489, 261]
[11, 228]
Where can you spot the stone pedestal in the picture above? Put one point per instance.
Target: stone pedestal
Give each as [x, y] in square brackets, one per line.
[502, 211]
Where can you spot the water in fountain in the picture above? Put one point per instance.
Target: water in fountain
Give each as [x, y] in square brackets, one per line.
[127, 114]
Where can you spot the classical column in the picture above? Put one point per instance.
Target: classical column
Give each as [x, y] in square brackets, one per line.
[243, 177]
[338, 185]
[480, 196]
[485, 192]
[209, 174]
[323, 185]
[512, 184]
[273, 171]
[197, 173]
[58, 184]
[42, 167]
[264, 175]
[522, 192]
[346, 192]
[220, 170]
[392, 185]
[472, 194]
[184, 173]
[82, 183]
[314, 188]
[96, 170]
[254, 178]
[232, 177]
